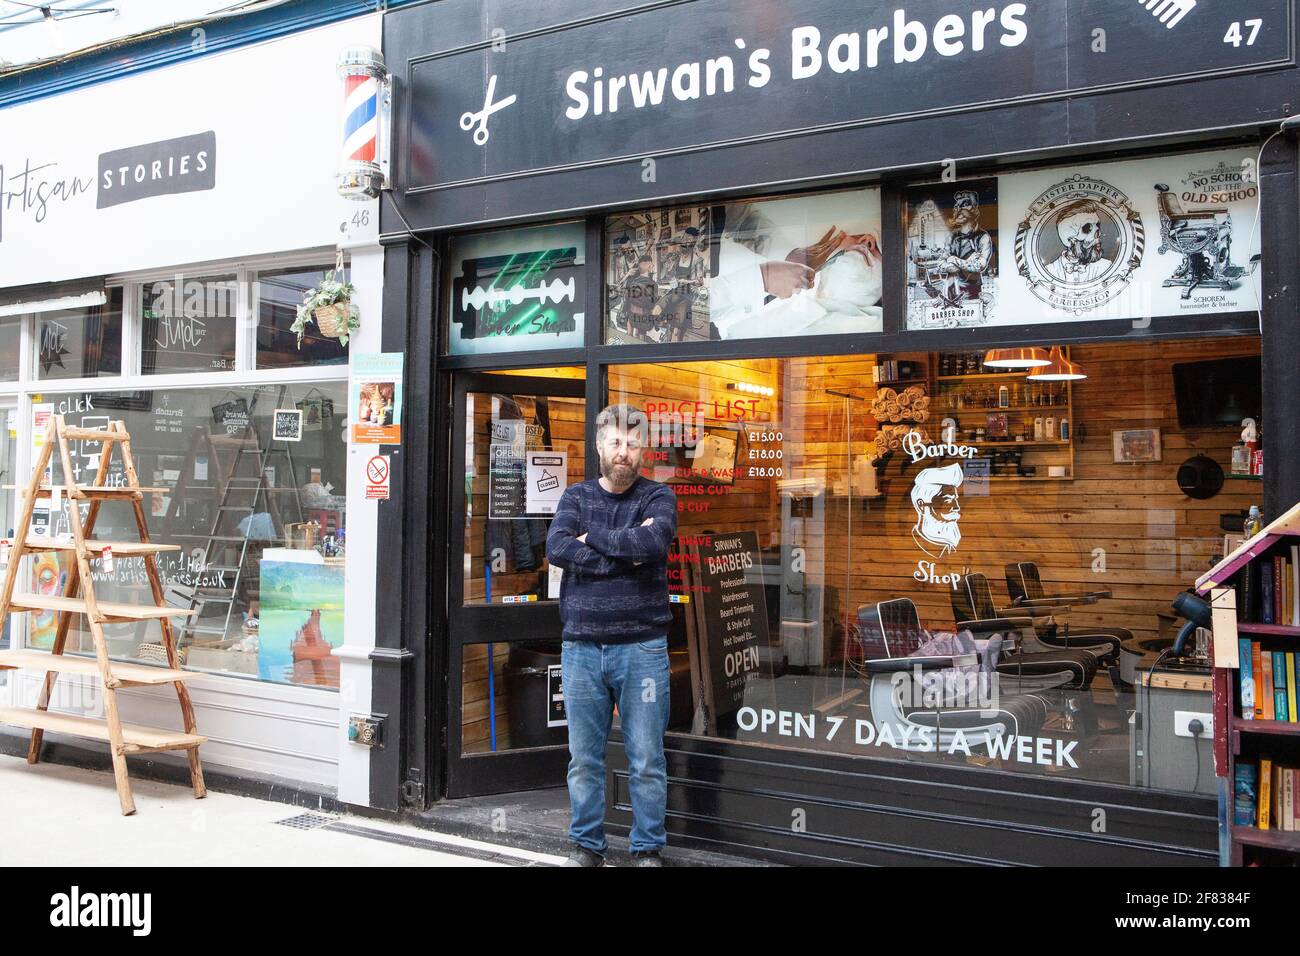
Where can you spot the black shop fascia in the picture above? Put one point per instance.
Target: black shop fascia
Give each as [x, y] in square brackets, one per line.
[548, 119]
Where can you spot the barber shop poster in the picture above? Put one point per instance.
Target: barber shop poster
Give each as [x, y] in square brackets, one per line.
[807, 265]
[1167, 236]
[952, 254]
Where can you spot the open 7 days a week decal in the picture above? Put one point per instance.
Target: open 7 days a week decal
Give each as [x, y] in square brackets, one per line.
[936, 499]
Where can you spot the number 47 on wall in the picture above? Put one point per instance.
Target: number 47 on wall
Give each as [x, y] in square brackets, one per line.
[1234, 35]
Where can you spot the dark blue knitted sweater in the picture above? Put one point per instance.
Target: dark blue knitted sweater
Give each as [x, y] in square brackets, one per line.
[615, 587]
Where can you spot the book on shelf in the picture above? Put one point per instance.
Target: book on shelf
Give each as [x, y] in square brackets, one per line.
[1245, 647]
[1257, 670]
[1245, 786]
[1269, 680]
[1268, 590]
[1263, 813]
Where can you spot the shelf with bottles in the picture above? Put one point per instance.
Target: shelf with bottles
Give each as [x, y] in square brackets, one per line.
[1008, 396]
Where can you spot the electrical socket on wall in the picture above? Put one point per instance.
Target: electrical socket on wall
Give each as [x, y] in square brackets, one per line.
[366, 729]
[1182, 718]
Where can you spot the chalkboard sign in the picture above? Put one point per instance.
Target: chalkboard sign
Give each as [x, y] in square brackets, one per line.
[730, 620]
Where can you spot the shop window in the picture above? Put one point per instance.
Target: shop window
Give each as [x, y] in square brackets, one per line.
[279, 293]
[920, 557]
[806, 265]
[518, 289]
[260, 523]
[80, 343]
[188, 325]
[10, 346]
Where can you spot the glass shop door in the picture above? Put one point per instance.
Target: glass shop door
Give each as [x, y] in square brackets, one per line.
[518, 441]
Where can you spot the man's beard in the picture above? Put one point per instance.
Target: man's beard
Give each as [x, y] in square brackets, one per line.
[618, 473]
[937, 531]
[1084, 253]
[963, 219]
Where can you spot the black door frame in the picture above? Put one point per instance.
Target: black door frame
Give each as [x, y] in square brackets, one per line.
[525, 768]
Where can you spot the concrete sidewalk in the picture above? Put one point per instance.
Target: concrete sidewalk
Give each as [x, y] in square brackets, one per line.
[54, 815]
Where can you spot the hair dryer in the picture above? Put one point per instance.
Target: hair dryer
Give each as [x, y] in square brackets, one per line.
[1197, 612]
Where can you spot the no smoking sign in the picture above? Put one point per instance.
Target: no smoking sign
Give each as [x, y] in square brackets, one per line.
[377, 478]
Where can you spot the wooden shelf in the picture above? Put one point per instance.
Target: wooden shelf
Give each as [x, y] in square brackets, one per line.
[1278, 728]
[1035, 443]
[120, 548]
[92, 491]
[999, 408]
[138, 739]
[1275, 630]
[69, 664]
[109, 609]
[1273, 839]
[982, 376]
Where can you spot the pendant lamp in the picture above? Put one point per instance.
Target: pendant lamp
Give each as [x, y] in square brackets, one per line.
[1016, 358]
[1059, 369]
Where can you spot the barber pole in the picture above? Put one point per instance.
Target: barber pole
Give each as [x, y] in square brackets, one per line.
[365, 101]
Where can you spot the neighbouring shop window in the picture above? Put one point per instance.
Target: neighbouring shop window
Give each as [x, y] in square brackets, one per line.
[916, 556]
[259, 523]
[80, 343]
[806, 265]
[11, 327]
[1125, 240]
[279, 293]
[188, 325]
[518, 289]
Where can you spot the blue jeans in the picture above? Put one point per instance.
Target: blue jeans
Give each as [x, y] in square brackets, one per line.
[595, 678]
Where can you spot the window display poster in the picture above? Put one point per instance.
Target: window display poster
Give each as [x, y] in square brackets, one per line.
[731, 619]
[807, 265]
[546, 477]
[1132, 240]
[375, 398]
[518, 289]
[952, 263]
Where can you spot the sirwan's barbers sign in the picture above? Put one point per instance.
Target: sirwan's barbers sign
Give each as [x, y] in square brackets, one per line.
[669, 78]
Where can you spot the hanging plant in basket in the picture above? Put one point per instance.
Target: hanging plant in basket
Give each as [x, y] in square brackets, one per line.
[329, 305]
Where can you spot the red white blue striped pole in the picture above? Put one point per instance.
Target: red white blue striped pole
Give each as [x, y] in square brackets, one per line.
[364, 77]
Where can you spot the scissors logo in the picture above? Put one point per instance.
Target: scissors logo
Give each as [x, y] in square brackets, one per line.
[468, 119]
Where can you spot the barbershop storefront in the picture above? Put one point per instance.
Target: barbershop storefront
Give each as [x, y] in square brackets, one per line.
[151, 265]
[963, 341]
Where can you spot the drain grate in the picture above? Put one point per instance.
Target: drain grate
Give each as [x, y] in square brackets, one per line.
[306, 821]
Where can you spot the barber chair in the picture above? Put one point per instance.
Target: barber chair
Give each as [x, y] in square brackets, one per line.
[1030, 663]
[1025, 587]
[910, 693]
[1204, 239]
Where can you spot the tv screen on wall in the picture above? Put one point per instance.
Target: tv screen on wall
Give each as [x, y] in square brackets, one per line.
[1219, 393]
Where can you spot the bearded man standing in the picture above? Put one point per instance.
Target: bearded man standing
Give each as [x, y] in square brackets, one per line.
[611, 537]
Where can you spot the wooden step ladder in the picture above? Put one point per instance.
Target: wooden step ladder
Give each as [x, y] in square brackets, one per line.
[123, 739]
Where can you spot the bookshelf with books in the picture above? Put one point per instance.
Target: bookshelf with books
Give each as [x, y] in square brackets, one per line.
[1257, 717]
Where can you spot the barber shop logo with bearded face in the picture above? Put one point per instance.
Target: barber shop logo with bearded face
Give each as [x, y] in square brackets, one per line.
[1079, 244]
[935, 496]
